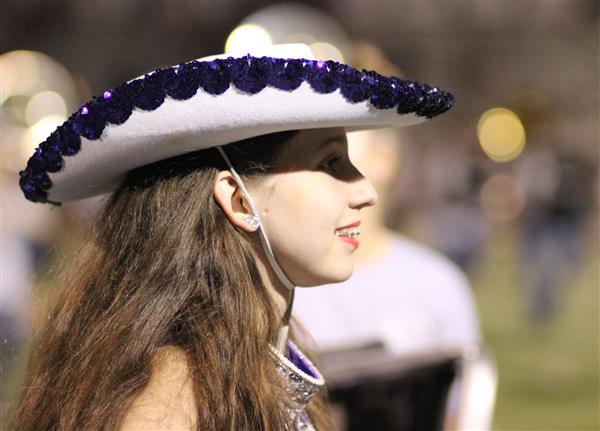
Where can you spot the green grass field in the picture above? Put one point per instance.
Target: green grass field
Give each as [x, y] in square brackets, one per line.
[548, 375]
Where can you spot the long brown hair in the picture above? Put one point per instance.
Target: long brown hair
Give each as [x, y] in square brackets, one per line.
[163, 266]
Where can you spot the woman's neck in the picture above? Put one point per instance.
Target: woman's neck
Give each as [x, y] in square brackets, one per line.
[279, 294]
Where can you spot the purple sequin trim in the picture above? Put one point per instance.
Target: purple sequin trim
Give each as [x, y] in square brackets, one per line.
[295, 358]
[248, 74]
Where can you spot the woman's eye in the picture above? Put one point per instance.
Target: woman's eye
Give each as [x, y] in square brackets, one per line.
[330, 164]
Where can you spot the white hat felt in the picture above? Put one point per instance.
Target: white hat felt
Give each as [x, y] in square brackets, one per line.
[214, 101]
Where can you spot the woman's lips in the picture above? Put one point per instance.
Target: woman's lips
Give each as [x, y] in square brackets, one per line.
[349, 233]
[355, 224]
[351, 241]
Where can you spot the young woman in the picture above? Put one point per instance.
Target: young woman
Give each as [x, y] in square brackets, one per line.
[231, 185]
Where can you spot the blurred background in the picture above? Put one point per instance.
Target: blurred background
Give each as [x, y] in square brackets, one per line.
[506, 185]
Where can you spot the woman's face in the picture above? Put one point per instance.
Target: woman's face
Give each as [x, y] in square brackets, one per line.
[310, 205]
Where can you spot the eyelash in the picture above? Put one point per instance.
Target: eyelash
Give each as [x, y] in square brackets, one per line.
[328, 164]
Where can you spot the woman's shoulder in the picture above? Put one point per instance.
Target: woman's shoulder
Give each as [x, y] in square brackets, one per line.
[167, 402]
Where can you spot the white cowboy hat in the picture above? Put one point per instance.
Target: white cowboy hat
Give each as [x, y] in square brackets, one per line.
[214, 101]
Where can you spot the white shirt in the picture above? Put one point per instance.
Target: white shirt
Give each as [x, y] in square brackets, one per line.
[414, 300]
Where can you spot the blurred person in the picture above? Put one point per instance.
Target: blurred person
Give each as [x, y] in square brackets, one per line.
[463, 243]
[175, 312]
[457, 207]
[559, 191]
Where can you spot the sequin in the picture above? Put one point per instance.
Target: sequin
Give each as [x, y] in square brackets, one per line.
[30, 188]
[252, 76]
[151, 94]
[355, 86]
[37, 178]
[303, 381]
[49, 152]
[384, 92]
[287, 74]
[66, 139]
[89, 122]
[323, 76]
[36, 161]
[214, 76]
[119, 107]
[407, 97]
[183, 83]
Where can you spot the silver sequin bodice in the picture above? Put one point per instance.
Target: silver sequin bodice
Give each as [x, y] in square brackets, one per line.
[303, 381]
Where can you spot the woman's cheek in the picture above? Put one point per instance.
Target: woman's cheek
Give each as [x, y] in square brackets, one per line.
[300, 215]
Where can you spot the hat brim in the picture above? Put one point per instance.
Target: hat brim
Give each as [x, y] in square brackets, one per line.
[204, 120]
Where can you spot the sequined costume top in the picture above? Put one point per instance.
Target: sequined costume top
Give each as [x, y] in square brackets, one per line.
[303, 381]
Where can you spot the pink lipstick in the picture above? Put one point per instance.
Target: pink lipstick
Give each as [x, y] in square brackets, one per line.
[354, 243]
[355, 224]
[349, 233]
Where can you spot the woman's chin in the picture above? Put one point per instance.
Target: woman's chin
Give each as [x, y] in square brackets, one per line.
[330, 277]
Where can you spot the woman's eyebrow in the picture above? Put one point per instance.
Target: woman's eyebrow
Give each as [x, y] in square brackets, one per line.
[331, 140]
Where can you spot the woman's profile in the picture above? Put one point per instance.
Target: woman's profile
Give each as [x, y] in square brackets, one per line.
[230, 185]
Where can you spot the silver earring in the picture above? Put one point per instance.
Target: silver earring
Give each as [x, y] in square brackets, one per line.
[252, 221]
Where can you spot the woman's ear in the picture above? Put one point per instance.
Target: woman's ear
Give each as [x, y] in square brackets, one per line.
[231, 199]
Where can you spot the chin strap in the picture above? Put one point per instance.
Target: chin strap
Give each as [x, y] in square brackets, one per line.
[281, 275]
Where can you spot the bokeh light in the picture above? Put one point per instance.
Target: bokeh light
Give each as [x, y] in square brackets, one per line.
[247, 37]
[36, 93]
[44, 104]
[301, 23]
[501, 134]
[305, 38]
[21, 73]
[25, 73]
[328, 51]
[38, 132]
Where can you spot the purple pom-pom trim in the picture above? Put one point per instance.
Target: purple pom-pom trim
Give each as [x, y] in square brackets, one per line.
[248, 74]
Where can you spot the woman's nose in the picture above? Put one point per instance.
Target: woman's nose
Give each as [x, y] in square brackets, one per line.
[363, 194]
